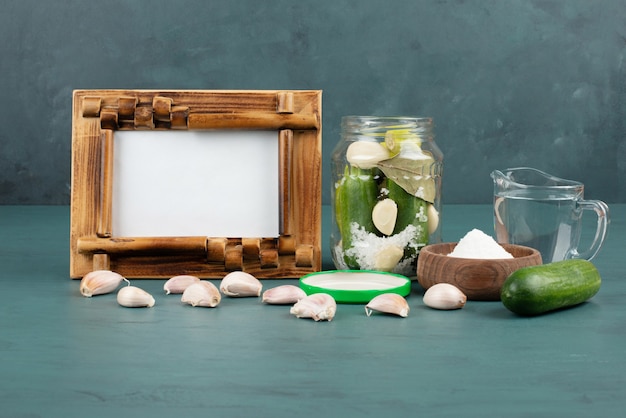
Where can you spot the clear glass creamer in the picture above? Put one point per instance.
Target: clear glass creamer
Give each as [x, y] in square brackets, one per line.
[386, 193]
[545, 212]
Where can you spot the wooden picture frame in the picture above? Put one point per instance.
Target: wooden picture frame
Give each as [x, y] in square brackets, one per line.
[294, 115]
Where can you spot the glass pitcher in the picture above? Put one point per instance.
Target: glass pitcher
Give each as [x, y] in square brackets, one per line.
[541, 211]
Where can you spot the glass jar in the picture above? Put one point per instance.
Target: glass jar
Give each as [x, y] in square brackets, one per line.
[386, 193]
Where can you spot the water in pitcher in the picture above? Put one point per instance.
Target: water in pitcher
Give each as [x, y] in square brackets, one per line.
[550, 223]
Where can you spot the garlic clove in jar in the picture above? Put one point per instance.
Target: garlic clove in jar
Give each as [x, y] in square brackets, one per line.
[99, 282]
[240, 284]
[433, 219]
[318, 306]
[202, 294]
[366, 154]
[282, 295]
[391, 303]
[178, 284]
[388, 258]
[384, 216]
[444, 296]
[134, 297]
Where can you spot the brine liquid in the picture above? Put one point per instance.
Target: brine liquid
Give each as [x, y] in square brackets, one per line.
[550, 223]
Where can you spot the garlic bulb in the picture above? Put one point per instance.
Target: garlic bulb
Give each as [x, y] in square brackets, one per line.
[444, 296]
[319, 306]
[390, 303]
[99, 282]
[178, 284]
[240, 284]
[203, 294]
[282, 295]
[134, 297]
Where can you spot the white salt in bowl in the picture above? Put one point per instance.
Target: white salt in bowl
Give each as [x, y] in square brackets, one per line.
[479, 279]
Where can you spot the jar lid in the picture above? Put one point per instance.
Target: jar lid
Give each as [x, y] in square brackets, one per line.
[355, 286]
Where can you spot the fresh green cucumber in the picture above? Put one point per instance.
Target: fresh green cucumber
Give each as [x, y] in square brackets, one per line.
[539, 289]
[411, 211]
[355, 197]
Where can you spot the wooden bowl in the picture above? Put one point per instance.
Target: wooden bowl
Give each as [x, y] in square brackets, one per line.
[479, 279]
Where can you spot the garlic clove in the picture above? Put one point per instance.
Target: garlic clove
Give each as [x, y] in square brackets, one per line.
[282, 295]
[433, 219]
[366, 154]
[444, 296]
[319, 306]
[178, 284]
[134, 297]
[240, 284]
[390, 303]
[99, 282]
[384, 216]
[388, 258]
[202, 294]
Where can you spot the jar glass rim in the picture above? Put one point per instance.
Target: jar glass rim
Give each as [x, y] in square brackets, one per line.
[354, 123]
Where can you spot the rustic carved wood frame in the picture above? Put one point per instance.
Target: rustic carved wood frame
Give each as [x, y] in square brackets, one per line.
[294, 115]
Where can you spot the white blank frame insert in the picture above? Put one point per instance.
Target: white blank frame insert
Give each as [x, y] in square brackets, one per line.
[186, 183]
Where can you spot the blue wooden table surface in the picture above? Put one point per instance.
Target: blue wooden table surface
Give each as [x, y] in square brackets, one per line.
[63, 355]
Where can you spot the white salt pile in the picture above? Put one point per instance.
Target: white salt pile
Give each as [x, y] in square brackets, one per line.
[477, 244]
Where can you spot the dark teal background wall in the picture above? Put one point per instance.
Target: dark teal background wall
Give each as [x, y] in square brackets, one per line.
[509, 83]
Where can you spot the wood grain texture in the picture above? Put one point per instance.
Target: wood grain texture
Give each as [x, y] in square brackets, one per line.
[479, 279]
[294, 115]
[106, 195]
